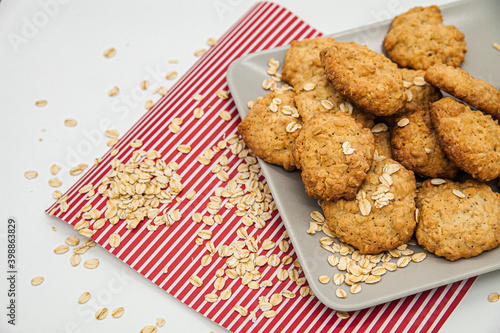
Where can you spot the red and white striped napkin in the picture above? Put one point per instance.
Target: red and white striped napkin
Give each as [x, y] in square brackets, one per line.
[266, 25]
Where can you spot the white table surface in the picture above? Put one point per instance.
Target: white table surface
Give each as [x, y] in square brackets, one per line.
[53, 50]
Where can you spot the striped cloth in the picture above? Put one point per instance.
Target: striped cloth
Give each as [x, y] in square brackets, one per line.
[266, 25]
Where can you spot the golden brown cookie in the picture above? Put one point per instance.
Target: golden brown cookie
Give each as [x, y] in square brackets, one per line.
[458, 220]
[383, 215]
[367, 78]
[415, 145]
[420, 94]
[457, 82]
[318, 95]
[334, 153]
[418, 39]
[469, 138]
[271, 127]
[302, 59]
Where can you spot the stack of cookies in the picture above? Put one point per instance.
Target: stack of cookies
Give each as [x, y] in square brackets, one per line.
[360, 125]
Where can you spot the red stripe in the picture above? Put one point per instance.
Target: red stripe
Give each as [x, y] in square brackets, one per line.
[468, 284]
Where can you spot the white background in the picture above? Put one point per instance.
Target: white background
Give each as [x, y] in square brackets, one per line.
[53, 50]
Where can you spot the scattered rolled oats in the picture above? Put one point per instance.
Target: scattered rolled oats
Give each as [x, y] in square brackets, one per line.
[144, 85]
[160, 322]
[148, 329]
[270, 314]
[185, 149]
[84, 298]
[200, 52]
[196, 281]
[113, 91]
[91, 263]
[54, 169]
[324, 279]
[171, 75]
[109, 53]
[61, 249]
[241, 310]
[75, 259]
[72, 241]
[30, 174]
[37, 280]
[70, 122]
[101, 314]
[112, 142]
[225, 115]
[222, 94]
[114, 240]
[493, 297]
[211, 41]
[211, 298]
[148, 105]
[355, 288]
[118, 312]
[75, 171]
[342, 314]
[340, 293]
[198, 113]
[41, 103]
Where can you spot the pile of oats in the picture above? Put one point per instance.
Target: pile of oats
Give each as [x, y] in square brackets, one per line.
[354, 268]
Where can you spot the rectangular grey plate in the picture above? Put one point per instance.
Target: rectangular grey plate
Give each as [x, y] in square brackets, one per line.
[479, 21]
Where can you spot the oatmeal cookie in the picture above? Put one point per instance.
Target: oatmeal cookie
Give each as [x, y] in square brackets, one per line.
[383, 216]
[269, 130]
[416, 146]
[367, 78]
[302, 59]
[457, 82]
[334, 153]
[420, 94]
[458, 220]
[318, 95]
[469, 138]
[418, 39]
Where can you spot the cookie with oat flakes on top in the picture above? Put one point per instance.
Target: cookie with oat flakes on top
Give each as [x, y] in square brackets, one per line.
[469, 138]
[457, 82]
[383, 215]
[271, 127]
[334, 153]
[417, 147]
[418, 39]
[302, 59]
[458, 220]
[419, 94]
[367, 78]
[317, 95]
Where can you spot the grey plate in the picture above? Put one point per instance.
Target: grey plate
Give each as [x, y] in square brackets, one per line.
[479, 21]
